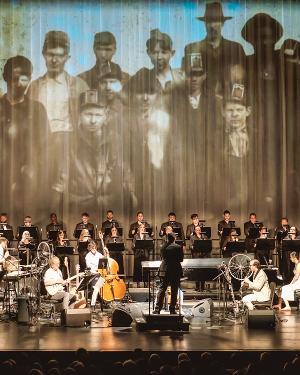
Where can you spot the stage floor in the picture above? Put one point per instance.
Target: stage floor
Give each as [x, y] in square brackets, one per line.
[213, 336]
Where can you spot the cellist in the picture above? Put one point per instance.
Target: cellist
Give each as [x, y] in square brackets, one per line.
[92, 262]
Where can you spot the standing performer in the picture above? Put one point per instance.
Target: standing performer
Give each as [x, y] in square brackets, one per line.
[92, 262]
[140, 255]
[252, 223]
[134, 226]
[286, 293]
[170, 272]
[225, 223]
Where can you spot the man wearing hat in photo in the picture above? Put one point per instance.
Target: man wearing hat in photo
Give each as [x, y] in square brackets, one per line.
[23, 135]
[105, 47]
[160, 51]
[237, 150]
[266, 84]
[219, 53]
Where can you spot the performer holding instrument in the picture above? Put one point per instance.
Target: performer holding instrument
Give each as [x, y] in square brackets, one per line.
[259, 285]
[92, 263]
[54, 284]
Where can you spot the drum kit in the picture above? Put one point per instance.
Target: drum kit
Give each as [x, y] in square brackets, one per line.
[25, 280]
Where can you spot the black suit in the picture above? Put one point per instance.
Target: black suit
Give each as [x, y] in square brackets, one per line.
[88, 226]
[109, 224]
[189, 231]
[170, 272]
[249, 242]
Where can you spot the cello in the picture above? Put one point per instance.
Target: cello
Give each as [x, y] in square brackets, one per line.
[114, 288]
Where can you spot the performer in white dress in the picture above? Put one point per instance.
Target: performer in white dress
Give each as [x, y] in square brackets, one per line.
[286, 293]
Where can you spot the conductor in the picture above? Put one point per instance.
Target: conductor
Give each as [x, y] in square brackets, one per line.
[170, 272]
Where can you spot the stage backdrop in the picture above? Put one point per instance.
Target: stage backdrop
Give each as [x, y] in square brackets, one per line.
[180, 118]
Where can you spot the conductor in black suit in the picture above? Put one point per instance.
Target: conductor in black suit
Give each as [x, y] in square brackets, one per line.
[170, 272]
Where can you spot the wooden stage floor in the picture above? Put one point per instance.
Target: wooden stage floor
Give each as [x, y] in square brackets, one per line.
[213, 336]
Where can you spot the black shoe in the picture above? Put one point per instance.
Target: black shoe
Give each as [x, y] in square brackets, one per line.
[156, 312]
[173, 312]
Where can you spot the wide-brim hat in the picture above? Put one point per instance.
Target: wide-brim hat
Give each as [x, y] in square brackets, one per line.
[214, 12]
[254, 27]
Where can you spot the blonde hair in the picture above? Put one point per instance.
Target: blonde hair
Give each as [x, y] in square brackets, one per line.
[52, 260]
[83, 233]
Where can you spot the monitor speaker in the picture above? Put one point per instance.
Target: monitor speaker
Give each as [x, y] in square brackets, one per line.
[261, 319]
[76, 318]
[121, 318]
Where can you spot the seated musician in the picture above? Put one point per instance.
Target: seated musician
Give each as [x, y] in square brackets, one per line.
[134, 226]
[85, 224]
[114, 237]
[26, 247]
[140, 255]
[82, 246]
[233, 237]
[3, 255]
[109, 222]
[62, 242]
[191, 227]
[286, 293]
[54, 224]
[54, 284]
[4, 223]
[293, 234]
[92, 262]
[198, 235]
[260, 286]
[27, 223]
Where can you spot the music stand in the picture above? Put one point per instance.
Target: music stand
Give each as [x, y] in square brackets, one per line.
[115, 246]
[206, 231]
[226, 231]
[7, 233]
[33, 231]
[177, 231]
[234, 247]
[77, 232]
[291, 245]
[265, 245]
[82, 246]
[202, 246]
[53, 233]
[144, 244]
[254, 232]
[108, 229]
[64, 250]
